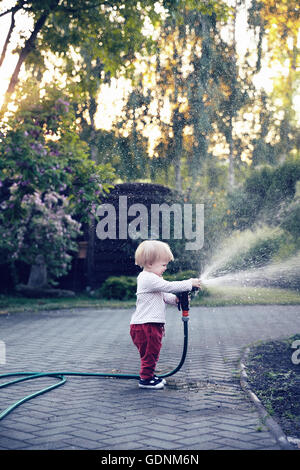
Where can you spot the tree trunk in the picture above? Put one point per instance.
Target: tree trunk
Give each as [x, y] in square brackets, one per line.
[12, 25]
[232, 107]
[92, 112]
[231, 180]
[177, 124]
[29, 45]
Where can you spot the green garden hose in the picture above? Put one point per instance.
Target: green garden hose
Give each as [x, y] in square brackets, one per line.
[24, 376]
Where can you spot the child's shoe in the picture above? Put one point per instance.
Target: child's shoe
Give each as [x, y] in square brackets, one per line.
[163, 380]
[154, 383]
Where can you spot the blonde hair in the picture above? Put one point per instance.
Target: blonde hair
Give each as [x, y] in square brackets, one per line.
[150, 251]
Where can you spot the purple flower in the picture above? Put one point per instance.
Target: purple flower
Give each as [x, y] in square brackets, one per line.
[63, 102]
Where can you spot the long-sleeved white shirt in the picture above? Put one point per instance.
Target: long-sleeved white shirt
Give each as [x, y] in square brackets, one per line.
[153, 292]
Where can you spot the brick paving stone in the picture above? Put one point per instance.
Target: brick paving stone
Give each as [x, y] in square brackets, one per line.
[11, 443]
[15, 435]
[200, 438]
[75, 443]
[159, 444]
[101, 413]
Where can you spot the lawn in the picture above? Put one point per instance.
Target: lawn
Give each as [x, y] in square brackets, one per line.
[213, 297]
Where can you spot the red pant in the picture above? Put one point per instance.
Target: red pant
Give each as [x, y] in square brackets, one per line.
[147, 337]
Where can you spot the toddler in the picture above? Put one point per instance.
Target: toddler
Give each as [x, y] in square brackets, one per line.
[153, 292]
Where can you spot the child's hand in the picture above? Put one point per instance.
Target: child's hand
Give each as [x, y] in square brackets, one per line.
[196, 283]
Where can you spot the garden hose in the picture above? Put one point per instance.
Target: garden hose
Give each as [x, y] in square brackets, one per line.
[24, 376]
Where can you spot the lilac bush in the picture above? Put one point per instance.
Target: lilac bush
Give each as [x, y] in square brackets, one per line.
[45, 228]
[49, 185]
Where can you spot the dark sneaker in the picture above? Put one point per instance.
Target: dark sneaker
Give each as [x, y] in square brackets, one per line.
[154, 383]
[163, 380]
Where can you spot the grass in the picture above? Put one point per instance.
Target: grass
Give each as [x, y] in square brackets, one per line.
[214, 297]
[10, 304]
[221, 296]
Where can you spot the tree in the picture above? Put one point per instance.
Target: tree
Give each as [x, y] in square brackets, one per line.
[46, 178]
[278, 23]
[131, 143]
[264, 195]
[113, 29]
[41, 150]
[186, 40]
[201, 89]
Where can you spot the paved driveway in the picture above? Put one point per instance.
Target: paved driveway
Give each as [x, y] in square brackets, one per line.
[203, 408]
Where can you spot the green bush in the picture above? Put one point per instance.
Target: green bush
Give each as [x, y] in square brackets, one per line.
[290, 218]
[284, 182]
[124, 287]
[261, 252]
[181, 275]
[121, 288]
[243, 209]
[259, 182]
[262, 196]
[252, 249]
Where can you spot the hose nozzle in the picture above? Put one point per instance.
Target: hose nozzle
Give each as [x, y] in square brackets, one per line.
[184, 302]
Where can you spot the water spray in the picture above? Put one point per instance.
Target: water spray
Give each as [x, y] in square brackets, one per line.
[277, 274]
[183, 305]
[232, 265]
